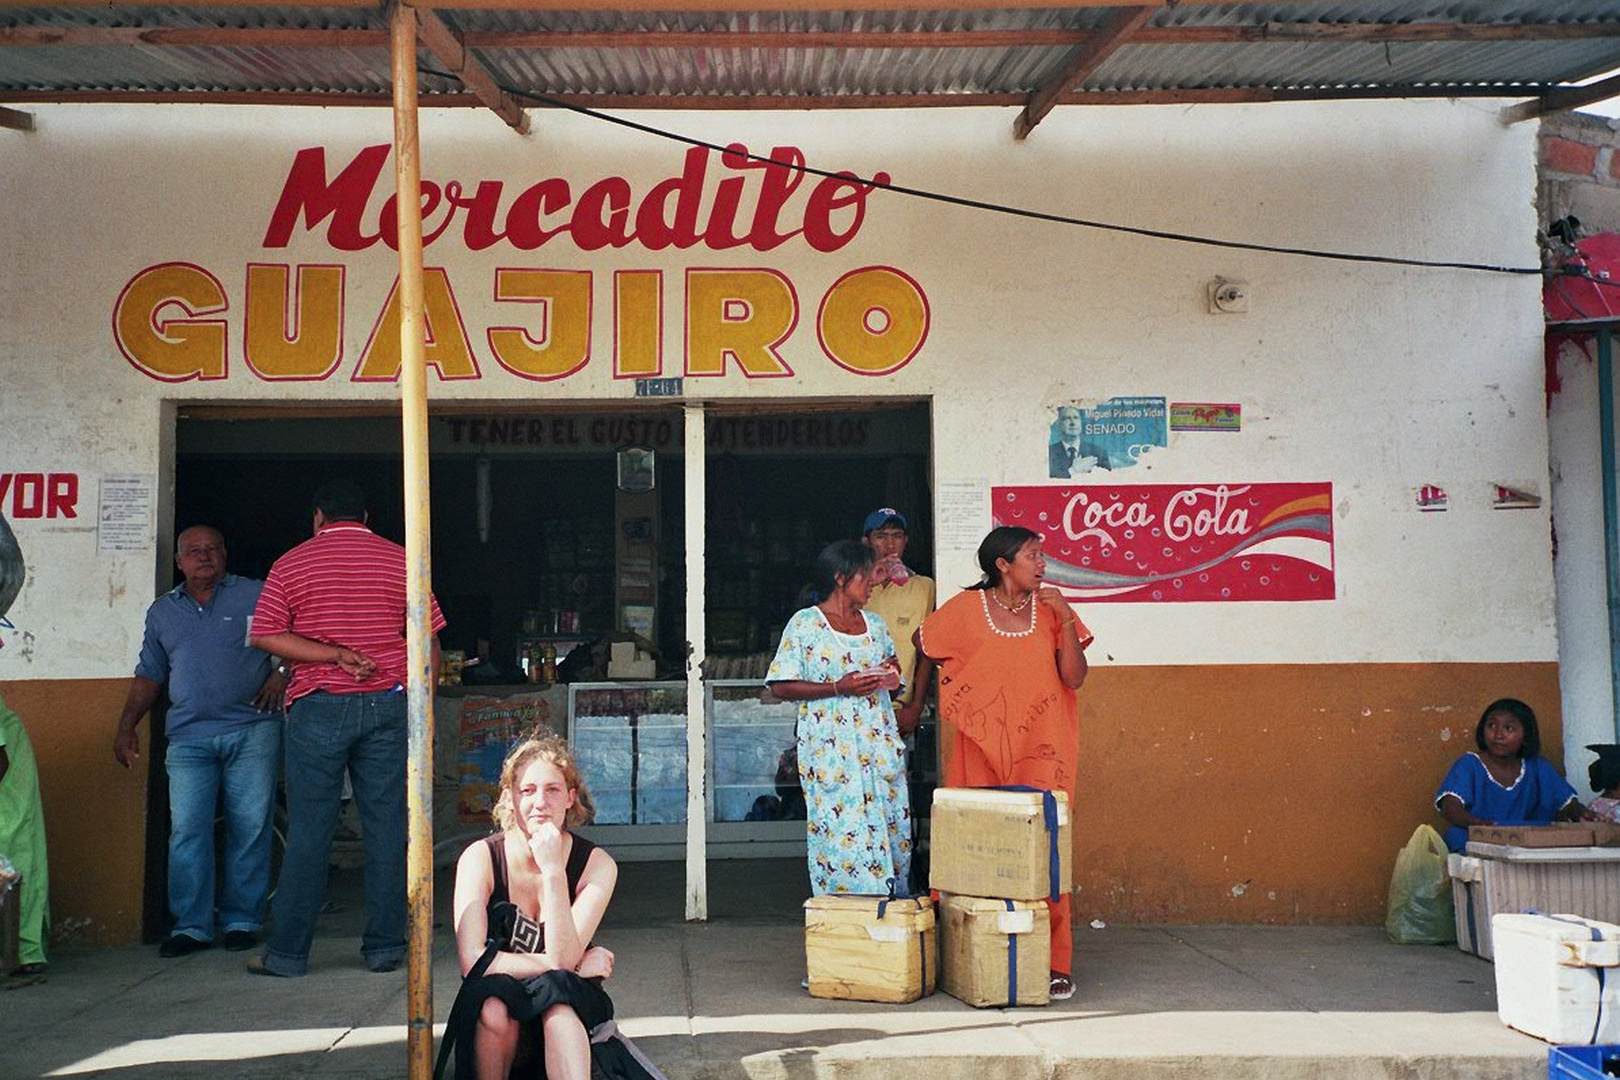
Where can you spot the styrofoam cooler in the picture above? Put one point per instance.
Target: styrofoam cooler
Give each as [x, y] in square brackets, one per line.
[1493, 879]
[1558, 977]
[995, 952]
[1000, 842]
[871, 948]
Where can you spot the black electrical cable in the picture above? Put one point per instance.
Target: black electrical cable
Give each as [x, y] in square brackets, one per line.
[1582, 274]
[998, 208]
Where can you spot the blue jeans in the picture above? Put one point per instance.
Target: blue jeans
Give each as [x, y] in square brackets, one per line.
[327, 734]
[243, 764]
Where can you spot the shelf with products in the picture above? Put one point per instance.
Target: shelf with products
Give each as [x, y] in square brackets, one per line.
[756, 581]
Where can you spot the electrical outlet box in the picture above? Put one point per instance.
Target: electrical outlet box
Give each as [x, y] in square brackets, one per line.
[1228, 296]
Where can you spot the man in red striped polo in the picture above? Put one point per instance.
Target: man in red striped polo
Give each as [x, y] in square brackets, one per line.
[334, 606]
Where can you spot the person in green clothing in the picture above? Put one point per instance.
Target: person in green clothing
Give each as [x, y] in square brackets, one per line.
[22, 821]
[22, 837]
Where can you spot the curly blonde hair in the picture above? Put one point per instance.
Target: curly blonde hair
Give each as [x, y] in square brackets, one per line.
[554, 749]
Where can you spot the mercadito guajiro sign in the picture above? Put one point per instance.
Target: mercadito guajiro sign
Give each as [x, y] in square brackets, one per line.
[1158, 543]
[175, 320]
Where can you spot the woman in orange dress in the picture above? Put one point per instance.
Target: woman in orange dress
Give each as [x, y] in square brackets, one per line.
[1011, 653]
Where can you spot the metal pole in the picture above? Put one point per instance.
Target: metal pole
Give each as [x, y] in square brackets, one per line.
[1611, 513]
[697, 759]
[418, 581]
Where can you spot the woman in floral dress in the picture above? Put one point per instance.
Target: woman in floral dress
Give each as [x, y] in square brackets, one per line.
[839, 663]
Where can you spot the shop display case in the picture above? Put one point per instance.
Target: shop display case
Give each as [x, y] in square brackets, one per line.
[753, 760]
[630, 742]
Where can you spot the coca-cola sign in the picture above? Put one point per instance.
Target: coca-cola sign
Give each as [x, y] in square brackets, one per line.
[1160, 543]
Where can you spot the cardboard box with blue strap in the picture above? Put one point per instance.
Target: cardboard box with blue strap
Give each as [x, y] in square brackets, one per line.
[871, 948]
[1001, 843]
[994, 953]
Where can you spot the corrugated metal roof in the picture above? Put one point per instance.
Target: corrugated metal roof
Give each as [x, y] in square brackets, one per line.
[801, 57]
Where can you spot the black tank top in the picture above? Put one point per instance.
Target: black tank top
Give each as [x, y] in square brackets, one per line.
[528, 935]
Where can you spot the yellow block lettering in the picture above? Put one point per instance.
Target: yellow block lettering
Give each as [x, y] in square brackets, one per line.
[300, 339]
[165, 347]
[561, 344]
[873, 320]
[741, 316]
[447, 345]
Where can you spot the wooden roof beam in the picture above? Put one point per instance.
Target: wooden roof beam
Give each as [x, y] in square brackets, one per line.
[574, 6]
[229, 37]
[1561, 100]
[279, 37]
[776, 102]
[16, 119]
[447, 46]
[1012, 39]
[1115, 31]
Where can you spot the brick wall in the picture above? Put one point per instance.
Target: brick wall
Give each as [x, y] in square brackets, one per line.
[1580, 171]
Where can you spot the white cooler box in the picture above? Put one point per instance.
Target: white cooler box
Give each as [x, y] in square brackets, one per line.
[1558, 977]
[1496, 879]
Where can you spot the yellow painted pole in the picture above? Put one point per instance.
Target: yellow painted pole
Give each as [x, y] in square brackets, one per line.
[418, 561]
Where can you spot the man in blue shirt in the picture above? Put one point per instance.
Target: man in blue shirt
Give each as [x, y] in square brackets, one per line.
[224, 730]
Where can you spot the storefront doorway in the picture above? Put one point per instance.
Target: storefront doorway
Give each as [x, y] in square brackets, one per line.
[546, 551]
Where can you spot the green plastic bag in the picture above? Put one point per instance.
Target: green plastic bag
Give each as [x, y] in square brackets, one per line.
[1420, 911]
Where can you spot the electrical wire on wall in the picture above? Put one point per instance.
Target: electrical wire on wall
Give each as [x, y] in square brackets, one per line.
[736, 150]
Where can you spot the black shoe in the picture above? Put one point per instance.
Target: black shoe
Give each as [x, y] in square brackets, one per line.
[240, 940]
[383, 968]
[182, 945]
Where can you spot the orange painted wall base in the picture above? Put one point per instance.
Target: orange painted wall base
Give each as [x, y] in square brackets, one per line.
[1271, 793]
[95, 810]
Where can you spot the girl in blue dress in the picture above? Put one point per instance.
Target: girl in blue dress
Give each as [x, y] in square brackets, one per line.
[1507, 782]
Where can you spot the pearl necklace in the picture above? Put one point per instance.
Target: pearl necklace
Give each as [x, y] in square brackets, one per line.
[985, 603]
[1004, 606]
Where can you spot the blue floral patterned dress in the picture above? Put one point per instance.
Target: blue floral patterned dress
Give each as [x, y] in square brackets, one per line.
[851, 760]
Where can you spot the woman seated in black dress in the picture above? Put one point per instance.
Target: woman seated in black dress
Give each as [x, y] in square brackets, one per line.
[528, 900]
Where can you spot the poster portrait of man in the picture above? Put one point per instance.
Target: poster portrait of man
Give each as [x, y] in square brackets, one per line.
[1067, 454]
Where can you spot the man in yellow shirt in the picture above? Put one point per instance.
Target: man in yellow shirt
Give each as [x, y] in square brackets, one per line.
[903, 598]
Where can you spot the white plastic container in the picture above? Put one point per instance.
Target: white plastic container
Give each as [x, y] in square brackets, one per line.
[1558, 977]
[1495, 879]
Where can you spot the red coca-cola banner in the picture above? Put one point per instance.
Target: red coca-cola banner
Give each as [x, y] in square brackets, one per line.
[1158, 543]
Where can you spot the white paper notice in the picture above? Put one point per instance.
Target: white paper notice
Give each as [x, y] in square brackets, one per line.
[962, 508]
[124, 522]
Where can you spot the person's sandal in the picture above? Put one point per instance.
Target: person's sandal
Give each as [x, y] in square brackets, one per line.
[1061, 987]
[26, 975]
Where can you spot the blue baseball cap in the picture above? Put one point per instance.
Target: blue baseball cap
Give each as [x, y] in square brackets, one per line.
[881, 517]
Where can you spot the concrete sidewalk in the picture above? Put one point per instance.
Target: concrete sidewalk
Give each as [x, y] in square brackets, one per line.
[721, 1001]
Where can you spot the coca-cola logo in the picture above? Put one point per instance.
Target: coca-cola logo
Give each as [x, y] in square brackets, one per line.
[1191, 512]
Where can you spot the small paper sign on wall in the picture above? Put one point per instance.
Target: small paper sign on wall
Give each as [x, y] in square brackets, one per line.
[1522, 497]
[1431, 498]
[1159, 543]
[124, 520]
[1205, 416]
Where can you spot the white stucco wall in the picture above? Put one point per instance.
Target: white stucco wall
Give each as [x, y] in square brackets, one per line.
[1376, 378]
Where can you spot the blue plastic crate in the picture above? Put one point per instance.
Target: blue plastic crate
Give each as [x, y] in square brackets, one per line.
[1583, 1062]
